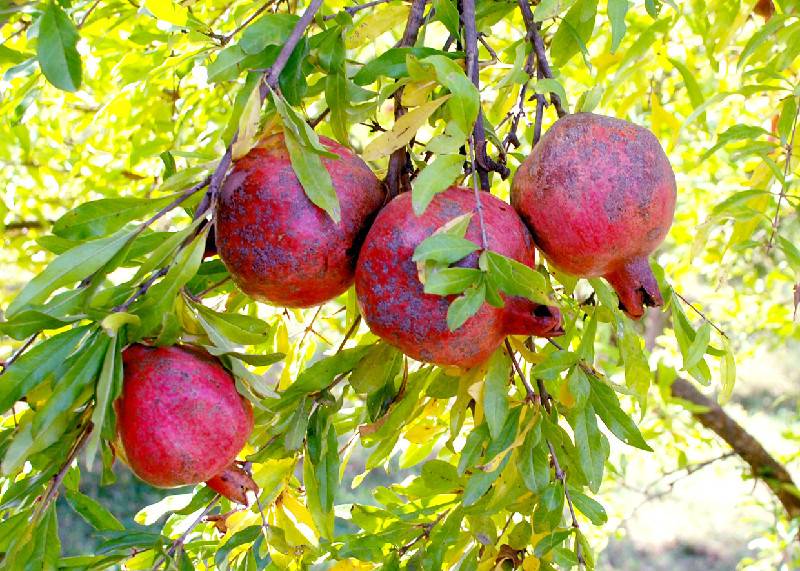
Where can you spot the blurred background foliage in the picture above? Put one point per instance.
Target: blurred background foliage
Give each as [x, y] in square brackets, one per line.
[149, 113]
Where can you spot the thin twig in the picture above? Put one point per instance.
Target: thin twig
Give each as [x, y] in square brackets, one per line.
[546, 399]
[18, 353]
[318, 119]
[142, 289]
[228, 37]
[481, 162]
[537, 44]
[179, 541]
[299, 30]
[426, 533]
[789, 151]
[357, 8]
[349, 333]
[88, 12]
[211, 288]
[397, 175]
[701, 314]
[530, 393]
[52, 489]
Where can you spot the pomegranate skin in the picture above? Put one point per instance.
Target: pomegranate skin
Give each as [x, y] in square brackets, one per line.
[393, 301]
[598, 194]
[278, 246]
[179, 418]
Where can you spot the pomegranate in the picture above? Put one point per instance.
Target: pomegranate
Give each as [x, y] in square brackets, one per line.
[392, 298]
[181, 421]
[598, 194]
[280, 247]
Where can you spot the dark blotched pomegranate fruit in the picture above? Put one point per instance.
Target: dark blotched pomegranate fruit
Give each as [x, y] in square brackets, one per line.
[181, 421]
[392, 298]
[278, 246]
[598, 193]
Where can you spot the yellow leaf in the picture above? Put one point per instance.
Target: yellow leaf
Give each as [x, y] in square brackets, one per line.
[351, 565]
[241, 519]
[248, 126]
[416, 93]
[531, 563]
[403, 131]
[302, 517]
[168, 11]
[376, 23]
[111, 323]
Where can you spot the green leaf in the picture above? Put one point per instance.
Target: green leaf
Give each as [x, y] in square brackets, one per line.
[547, 543]
[766, 31]
[57, 50]
[549, 85]
[298, 423]
[616, 14]
[465, 305]
[698, 347]
[381, 364]
[271, 29]
[554, 364]
[637, 370]
[26, 323]
[242, 537]
[550, 9]
[515, 278]
[495, 392]
[464, 103]
[392, 64]
[606, 404]
[238, 328]
[480, 482]
[592, 445]
[321, 374]
[588, 507]
[692, 87]
[727, 372]
[262, 360]
[69, 391]
[435, 178]
[36, 365]
[449, 281]
[574, 31]
[168, 11]
[109, 385]
[444, 248]
[102, 217]
[533, 461]
[308, 167]
[787, 119]
[70, 267]
[93, 512]
[447, 14]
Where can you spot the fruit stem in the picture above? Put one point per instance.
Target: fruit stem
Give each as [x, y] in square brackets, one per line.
[233, 483]
[523, 317]
[636, 287]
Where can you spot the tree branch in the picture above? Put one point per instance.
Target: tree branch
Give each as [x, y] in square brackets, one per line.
[179, 542]
[397, 176]
[763, 465]
[537, 44]
[482, 163]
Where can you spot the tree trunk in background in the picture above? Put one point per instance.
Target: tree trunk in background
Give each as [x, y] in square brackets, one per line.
[713, 417]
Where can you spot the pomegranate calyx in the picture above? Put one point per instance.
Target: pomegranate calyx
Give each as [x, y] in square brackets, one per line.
[636, 287]
[233, 483]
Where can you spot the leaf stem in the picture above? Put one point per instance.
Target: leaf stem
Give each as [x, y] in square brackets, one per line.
[784, 187]
[179, 541]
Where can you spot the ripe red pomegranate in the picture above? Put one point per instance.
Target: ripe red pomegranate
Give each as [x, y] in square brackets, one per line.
[278, 246]
[392, 298]
[598, 194]
[181, 421]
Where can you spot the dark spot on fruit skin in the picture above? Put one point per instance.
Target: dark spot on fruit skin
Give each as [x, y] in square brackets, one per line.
[596, 193]
[392, 298]
[278, 246]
